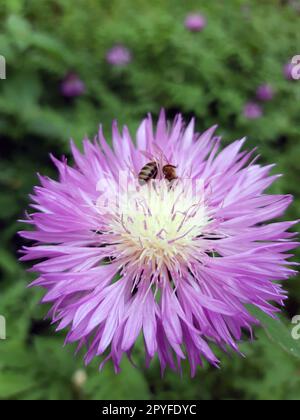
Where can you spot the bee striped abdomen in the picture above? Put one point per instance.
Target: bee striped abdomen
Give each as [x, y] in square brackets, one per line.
[148, 172]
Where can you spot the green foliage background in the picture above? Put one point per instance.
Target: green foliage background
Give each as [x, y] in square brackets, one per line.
[209, 74]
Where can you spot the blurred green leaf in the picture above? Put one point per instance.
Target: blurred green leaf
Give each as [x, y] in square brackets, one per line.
[7, 262]
[277, 331]
[12, 384]
[20, 29]
[8, 206]
[130, 383]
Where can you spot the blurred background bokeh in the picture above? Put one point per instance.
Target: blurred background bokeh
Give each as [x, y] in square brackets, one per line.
[74, 64]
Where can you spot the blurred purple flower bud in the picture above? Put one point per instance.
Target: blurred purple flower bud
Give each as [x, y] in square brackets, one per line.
[287, 71]
[118, 56]
[265, 92]
[252, 110]
[195, 22]
[72, 86]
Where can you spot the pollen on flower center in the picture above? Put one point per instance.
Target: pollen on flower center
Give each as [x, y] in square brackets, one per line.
[159, 222]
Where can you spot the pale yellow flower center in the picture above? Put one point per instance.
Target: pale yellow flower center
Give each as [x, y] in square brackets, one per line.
[160, 222]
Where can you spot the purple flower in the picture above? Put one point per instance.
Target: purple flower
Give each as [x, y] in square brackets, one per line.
[265, 92]
[118, 56]
[287, 71]
[291, 71]
[72, 86]
[195, 22]
[175, 259]
[252, 111]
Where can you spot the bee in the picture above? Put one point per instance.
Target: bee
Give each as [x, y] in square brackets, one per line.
[148, 172]
[169, 172]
